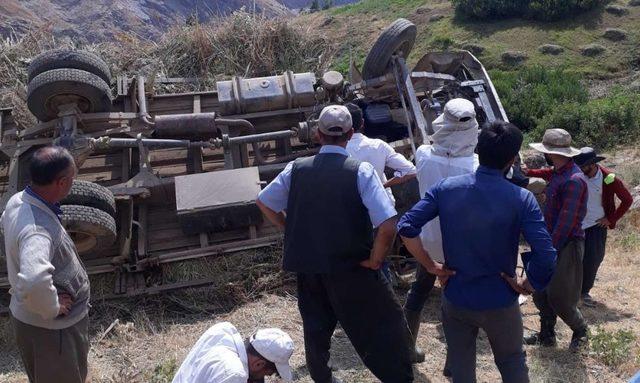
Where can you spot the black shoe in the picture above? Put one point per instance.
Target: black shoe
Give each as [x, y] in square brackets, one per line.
[579, 339]
[544, 340]
[588, 301]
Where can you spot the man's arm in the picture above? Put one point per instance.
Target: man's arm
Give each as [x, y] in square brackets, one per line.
[382, 243]
[404, 169]
[272, 200]
[409, 229]
[569, 219]
[626, 200]
[544, 173]
[276, 218]
[34, 288]
[541, 264]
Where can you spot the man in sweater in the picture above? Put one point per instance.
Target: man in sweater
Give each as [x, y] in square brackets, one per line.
[49, 285]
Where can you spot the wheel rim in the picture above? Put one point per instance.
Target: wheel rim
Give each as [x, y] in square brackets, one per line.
[54, 102]
[84, 241]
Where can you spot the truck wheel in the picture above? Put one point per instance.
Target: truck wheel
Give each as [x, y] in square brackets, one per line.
[91, 194]
[70, 59]
[398, 37]
[51, 89]
[91, 229]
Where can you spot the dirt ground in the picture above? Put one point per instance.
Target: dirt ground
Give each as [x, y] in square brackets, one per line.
[152, 335]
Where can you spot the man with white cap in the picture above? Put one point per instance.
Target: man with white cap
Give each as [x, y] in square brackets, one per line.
[222, 356]
[450, 154]
[565, 209]
[332, 203]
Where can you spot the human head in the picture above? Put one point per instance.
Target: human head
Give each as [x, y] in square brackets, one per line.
[335, 126]
[268, 353]
[587, 160]
[456, 129]
[556, 146]
[498, 145]
[356, 117]
[52, 170]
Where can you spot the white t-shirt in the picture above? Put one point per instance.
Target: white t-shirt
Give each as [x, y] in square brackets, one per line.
[379, 154]
[595, 211]
[219, 356]
[431, 169]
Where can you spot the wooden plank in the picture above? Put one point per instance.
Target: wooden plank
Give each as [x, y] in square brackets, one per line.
[142, 230]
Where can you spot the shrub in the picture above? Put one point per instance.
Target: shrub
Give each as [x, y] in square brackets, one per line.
[545, 10]
[612, 348]
[601, 123]
[531, 93]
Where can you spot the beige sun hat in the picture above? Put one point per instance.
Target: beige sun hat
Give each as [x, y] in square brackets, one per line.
[556, 141]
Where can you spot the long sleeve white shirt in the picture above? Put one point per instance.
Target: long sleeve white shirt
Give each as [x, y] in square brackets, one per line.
[381, 155]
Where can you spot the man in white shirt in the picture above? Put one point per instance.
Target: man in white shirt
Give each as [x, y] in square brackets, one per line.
[378, 153]
[451, 154]
[222, 356]
[381, 155]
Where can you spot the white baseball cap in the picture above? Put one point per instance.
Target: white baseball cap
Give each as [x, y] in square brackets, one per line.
[335, 116]
[276, 346]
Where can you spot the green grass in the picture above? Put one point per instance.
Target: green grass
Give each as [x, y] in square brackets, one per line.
[501, 35]
[613, 348]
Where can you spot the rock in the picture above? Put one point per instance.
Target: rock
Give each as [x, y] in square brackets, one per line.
[536, 185]
[592, 50]
[514, 57]
[617, 10]
[635, 86]
[615, 34]
[422, 10]
[535, 161]
[476, 49]
[327, 21]
[634, 3]
[435, 18]
[550, 49]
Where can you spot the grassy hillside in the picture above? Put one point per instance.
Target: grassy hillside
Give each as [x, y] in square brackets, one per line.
[356, 26]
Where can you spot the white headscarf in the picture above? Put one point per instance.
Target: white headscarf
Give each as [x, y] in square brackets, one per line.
[453, 137]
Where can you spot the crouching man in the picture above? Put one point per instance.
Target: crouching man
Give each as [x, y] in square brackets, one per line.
[222, 356]
[49, 285]
[481, 217]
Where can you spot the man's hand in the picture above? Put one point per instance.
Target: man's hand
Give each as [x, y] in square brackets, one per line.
[604, 222]
[371, 264]
[65, 301]
[519, 285]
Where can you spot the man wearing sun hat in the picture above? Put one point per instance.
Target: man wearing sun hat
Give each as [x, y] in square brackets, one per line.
[565, 209]
[333, 202]
[222, 356]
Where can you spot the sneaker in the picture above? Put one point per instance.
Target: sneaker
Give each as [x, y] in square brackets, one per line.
[579, 339]
[588, 301]
[537, 339]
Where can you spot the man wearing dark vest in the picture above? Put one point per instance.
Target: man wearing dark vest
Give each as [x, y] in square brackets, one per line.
[332, 203]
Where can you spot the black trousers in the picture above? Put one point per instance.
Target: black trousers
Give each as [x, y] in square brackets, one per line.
[363, 302]
[594, 248]
[420, 289]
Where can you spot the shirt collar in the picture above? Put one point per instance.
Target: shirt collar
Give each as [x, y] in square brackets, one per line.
[489, 171]
[565, 168]
[53, 207]
[357, 137]
[333, 149]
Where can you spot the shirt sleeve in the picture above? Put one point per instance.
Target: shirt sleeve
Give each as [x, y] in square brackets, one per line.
[397, 162]
[276, 195]
[569, 216]
[34, 287]
[626, 200]
[411, 223]
[544, 173]
[373, 195]
[541, 263]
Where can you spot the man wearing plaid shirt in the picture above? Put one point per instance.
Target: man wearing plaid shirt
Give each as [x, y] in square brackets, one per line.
[566, 207]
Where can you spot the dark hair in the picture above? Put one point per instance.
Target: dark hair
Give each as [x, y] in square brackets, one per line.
[251, 350]
[499, 143]
[356, 116]
[48, 164]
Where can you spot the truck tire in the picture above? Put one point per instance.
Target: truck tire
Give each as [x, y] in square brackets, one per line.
[91, 229]
[51, 89]
[399, 36]
[70, 59]
[91, 194]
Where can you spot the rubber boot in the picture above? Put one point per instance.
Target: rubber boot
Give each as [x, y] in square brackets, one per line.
[413, 320]
[547, 335]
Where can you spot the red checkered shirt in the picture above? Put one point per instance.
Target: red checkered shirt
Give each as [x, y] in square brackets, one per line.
[566, 204]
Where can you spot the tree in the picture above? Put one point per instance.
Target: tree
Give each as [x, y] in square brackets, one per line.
[315, 6]
[327, 4]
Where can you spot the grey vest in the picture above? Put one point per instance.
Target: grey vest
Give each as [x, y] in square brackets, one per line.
[327, 227]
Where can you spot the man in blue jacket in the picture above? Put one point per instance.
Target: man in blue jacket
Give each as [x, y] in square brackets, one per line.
[481, 217]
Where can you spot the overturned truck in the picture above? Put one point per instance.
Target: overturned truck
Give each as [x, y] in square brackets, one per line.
[170, 177]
